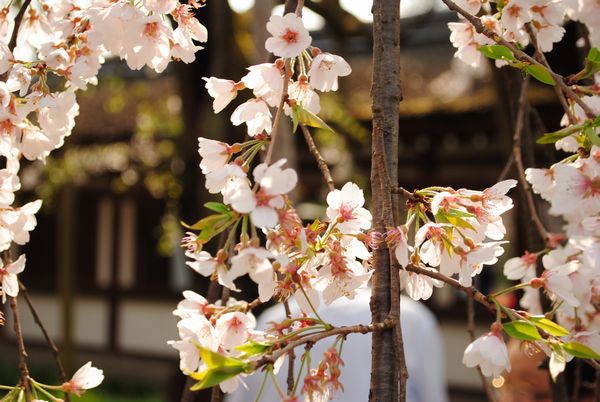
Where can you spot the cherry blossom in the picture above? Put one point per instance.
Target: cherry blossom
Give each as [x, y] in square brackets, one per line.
[266, 82]
[289, 36]
[489, 352]
[207, 265]
[215, 154]
[233, 329]
[8, 277]
[274, 182]
[345, 207]
[418, 287]
[87, 377]
[223, 92]
[256, 114]
[520, 267]
[255, 262]
[325, 70]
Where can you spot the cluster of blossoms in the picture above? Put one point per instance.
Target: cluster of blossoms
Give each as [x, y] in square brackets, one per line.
[545, 18]
[58, 49]
[455, 232]
[55, 49]
[316, 71]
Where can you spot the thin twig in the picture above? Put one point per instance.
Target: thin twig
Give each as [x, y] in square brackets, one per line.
[313, 338]
[291, 355]
[18, 19]
[47, 337]
[470, 291]
[312, 147]
[542, 58]
[518, 157]
[519, 54]
[471, 330]
[284, 95]
[286, 80]
[21, 347]
[506, 170]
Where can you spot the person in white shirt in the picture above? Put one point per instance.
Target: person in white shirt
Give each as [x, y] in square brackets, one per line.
[423, 349]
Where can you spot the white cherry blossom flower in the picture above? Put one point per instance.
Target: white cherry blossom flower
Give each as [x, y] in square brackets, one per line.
[15, 224]
[8, 277]
[489, 352]
[223, 92]
[302, 93]
[255, 262]
[233, 329]
[521, 267]
[416, 286]
[87, 377]
[256, 114]
[274, 182]
[396, 239]
[345, 207]
[193, 304]
[542, 181]
[214, 154]
[207, 265]
[325, 70]
[289, 36]
[266, 82]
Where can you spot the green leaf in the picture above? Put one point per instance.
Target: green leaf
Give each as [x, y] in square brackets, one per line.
[253, 348]
[591, 135]
[592, 64]
[540, 73]
[497, 52]
[558, 361]
[596, 121]
[303, 116]
[522, 330]
[217, 207]
[580, 350]
[219, 368]
[459, 214]
[551, 138]
[549, 326]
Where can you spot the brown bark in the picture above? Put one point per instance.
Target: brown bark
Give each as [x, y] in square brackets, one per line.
[387, 360]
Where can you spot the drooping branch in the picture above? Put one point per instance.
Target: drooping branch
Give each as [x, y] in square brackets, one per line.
[313, 338]
[312, 147]
[518, 158]
[470, 291]
[519, 54]
[18, 19]
[47, 337]
[24, 370]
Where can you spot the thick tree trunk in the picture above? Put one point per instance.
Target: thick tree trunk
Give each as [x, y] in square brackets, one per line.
[386, 94]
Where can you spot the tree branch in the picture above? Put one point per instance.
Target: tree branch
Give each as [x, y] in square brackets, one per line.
[518, 158]
[470, 291]
[519, 54]
[21, 347]
[47, 337]
[312, 147]
[313, 338]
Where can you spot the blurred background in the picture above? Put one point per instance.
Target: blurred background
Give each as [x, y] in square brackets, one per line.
[104, 265]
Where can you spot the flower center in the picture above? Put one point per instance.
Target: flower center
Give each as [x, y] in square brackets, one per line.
[290, 36]
[151, 30]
